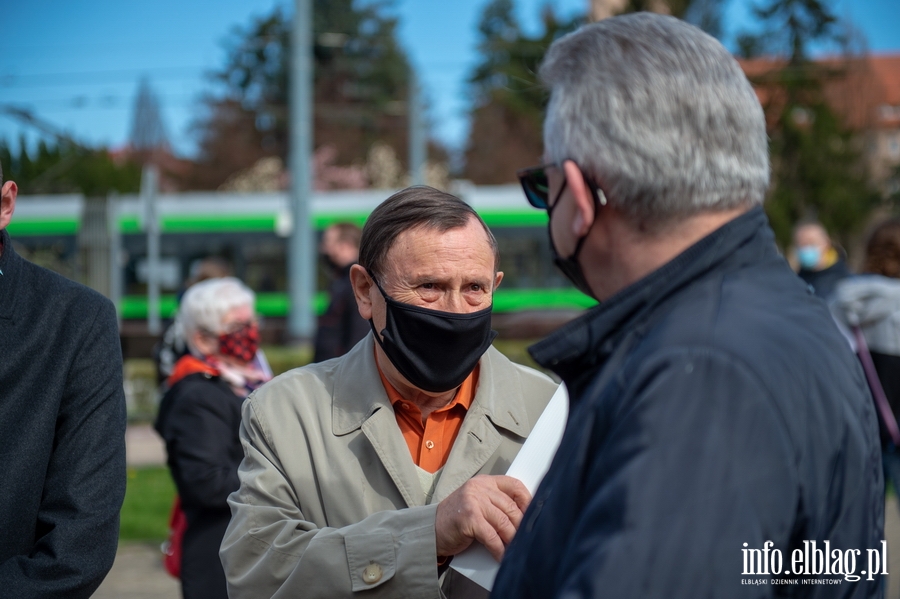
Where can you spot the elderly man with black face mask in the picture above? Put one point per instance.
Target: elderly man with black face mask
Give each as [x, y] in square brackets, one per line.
[370, 471]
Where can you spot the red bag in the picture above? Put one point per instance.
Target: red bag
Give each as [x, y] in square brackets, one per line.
[171, 548]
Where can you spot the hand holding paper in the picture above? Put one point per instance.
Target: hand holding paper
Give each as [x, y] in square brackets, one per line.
[529, 467]
[487, 509]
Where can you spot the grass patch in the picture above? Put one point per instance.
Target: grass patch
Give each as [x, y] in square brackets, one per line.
[148, 501]
[284, 357]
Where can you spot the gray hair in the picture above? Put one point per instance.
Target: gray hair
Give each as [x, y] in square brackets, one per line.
[659, 115]
[205, 304]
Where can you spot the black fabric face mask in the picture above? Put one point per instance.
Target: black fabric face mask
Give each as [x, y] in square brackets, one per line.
[434, 350]
[569, 266]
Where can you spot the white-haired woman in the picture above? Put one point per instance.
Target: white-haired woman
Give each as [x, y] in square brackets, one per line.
[199, 419]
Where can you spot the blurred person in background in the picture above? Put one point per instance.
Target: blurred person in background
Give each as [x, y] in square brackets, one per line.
[199, 418]
[341, 326]
[62, 428]
[172, 346]
[819, 262]
[715, 408]
[871, 302]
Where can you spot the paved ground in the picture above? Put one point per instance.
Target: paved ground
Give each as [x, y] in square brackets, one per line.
[138, 572]
[143, 447]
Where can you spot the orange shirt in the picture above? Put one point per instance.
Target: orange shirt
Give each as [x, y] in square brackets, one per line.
[430, 443]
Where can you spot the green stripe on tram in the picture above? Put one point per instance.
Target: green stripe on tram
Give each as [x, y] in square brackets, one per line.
[135, 306]
[204, 223]
[130, 224]
[218, 224]
[45, 226]
[527, 218]
[267, 304]
[517, 300]
[277, 304]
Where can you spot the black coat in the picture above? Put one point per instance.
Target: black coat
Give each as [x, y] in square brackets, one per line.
[62, 433]
[824, 281]
[199, 418]
[340, 327]
[714, 407]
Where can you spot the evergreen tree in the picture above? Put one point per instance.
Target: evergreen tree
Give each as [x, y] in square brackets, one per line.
[508, 101]
[705, 14]
[817, 163]
[361, 76]
[64, 168]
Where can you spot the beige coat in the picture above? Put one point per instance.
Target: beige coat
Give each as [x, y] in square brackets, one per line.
[331, 502]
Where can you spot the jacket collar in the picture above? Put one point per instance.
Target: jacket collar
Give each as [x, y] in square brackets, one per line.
[360, 402]
[358, 392]
[10, 265]
[576, 349]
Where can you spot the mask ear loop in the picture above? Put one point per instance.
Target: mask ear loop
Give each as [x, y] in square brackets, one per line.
[599, 200]
[372, 320]
[377, 284]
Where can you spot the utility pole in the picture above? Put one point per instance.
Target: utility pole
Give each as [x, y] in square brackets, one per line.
[301, 251]
[149, 197]
[115, 252]
[418, 148]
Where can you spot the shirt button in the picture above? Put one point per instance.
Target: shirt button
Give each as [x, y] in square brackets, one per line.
[405, 406]
[372, 573]
[429, 444]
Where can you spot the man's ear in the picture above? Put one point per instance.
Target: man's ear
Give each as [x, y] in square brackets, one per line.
[584, 199]
[362, 285]
[497, 278]
[7, 202]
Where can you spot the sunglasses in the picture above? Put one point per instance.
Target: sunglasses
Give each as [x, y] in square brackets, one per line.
[536, 185]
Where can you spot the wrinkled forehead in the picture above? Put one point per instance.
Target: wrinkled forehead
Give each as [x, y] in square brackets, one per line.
[423, 249]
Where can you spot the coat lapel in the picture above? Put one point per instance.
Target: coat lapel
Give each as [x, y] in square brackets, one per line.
[497, 405]
[360, 402]
[383, 433]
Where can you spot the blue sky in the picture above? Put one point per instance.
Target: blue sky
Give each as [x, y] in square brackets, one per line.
[77, 64]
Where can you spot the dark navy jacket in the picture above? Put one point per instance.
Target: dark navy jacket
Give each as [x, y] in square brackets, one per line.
[62, 433]
[714, 407]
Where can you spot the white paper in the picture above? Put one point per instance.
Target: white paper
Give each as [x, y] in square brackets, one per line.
[530, 466]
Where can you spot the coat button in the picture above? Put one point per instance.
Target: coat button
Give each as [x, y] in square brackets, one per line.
[372, 574]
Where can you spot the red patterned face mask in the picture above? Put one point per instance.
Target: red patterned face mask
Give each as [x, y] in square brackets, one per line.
[241, 344]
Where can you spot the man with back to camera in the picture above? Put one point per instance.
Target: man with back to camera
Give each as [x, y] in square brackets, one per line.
[340, 327]
[714, 405]
[367, 473]
[62, 423]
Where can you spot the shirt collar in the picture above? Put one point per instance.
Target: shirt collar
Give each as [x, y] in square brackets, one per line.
[464, 394]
